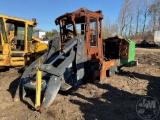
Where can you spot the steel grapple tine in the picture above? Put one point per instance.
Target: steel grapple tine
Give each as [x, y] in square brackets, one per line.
[51, 91]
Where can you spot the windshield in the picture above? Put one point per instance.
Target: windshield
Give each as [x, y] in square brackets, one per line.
[2, 31]
[67, 32]
[70, 27]
[30, 32]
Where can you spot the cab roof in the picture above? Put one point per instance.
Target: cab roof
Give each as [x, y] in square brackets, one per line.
[29, 22]
[79, 13]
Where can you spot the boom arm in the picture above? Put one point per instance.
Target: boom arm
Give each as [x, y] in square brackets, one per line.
[60, 71]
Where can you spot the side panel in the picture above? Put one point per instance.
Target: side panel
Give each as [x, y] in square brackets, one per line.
[80, 59]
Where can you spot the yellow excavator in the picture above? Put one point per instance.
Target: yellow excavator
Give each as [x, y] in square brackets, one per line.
[17, 45]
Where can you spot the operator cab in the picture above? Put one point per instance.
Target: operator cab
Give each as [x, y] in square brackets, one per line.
[70, 28]
[83, 22]
[16, 32]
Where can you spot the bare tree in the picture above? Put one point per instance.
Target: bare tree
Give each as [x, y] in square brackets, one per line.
[159, 23]
[131, 18]
[145, 18]
[158, 10]
[138, 13]
[138, 17]
[109, 29]
[144, 13]
[123, 16]
[154, 12]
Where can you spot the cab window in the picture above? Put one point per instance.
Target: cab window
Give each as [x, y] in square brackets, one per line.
[2, 31]
[30, 32]
[93, 32]
[16, 31]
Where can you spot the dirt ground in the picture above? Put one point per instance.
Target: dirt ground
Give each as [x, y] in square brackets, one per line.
[112, 99]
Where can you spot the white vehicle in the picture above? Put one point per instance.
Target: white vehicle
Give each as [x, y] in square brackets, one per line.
[39, 34]
[157, 36]
[45, 40]
[42, 36]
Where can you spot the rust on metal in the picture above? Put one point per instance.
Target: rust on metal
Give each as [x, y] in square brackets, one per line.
[91, 27]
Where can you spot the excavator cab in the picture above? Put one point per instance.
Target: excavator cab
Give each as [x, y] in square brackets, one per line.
[16, 42]
[17, 34]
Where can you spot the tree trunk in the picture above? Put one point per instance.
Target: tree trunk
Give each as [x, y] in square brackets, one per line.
[154, 23]
[144, 23]
[159, 23]
[130, 26]
[137, 22]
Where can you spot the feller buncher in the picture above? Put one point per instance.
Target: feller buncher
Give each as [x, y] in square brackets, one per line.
[17, 46]
[82, 55]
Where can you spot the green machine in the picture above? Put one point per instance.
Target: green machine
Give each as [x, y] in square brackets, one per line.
[120, 48]
[127, 53]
